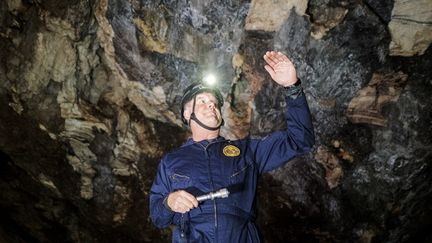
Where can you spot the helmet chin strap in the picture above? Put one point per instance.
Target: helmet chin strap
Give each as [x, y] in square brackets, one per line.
[193, 117]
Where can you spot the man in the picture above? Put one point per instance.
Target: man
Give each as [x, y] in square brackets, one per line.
[208, 162]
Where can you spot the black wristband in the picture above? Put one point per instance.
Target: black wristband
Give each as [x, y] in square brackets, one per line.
[294, 91]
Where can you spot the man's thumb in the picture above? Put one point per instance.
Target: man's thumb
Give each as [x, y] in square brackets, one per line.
[270, 70]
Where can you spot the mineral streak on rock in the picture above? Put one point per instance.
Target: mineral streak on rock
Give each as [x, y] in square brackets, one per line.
[367, 105]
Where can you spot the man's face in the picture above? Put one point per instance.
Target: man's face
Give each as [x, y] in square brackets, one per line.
[206, 109]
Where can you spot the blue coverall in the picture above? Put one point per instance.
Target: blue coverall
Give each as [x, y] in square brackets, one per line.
[207, 166]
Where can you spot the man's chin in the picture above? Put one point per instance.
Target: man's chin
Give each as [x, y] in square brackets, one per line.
[213, 123]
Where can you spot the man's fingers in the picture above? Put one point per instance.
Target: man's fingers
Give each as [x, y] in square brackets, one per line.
[285, 58]
[279, 57]
[184, 205]
[282, 57]
[269, 60]
[182, 201]
[181, 209]
[181, 206]
[274, 58]
[190, 198]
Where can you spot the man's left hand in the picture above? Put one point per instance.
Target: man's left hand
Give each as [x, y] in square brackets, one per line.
[280, 68]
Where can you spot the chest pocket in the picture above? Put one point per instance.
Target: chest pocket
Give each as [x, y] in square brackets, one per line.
[239, 174]
[180, 180]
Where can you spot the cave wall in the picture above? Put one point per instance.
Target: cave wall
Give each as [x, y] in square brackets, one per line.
[89, 102]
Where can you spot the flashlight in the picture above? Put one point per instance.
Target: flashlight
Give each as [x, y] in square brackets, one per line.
[222, 193]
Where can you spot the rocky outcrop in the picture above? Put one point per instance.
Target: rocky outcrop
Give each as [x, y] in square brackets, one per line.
[89, 103]
[326, 18]
[270, 15]
[367, 106]
[410, 27]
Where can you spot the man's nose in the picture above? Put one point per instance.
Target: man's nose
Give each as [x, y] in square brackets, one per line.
[211, 105]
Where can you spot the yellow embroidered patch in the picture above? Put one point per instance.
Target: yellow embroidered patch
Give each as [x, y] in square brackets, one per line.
[231, 151]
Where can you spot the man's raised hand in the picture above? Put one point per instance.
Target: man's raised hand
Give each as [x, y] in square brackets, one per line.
[280, 68]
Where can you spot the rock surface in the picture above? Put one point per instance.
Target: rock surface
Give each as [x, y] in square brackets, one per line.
[410, 27]
[89, 102]
[270, 15]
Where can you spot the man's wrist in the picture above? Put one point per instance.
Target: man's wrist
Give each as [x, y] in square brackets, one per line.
[296, 83]
[165, 203]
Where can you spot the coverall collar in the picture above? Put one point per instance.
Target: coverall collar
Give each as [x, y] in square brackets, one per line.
[205, 142]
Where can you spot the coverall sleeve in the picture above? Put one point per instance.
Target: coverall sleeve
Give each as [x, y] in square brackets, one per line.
[160, 215]
[277, 148]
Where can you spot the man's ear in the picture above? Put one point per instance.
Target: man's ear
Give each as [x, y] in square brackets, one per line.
[187, 112]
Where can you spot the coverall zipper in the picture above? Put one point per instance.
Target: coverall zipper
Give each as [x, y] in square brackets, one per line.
[212, 185]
